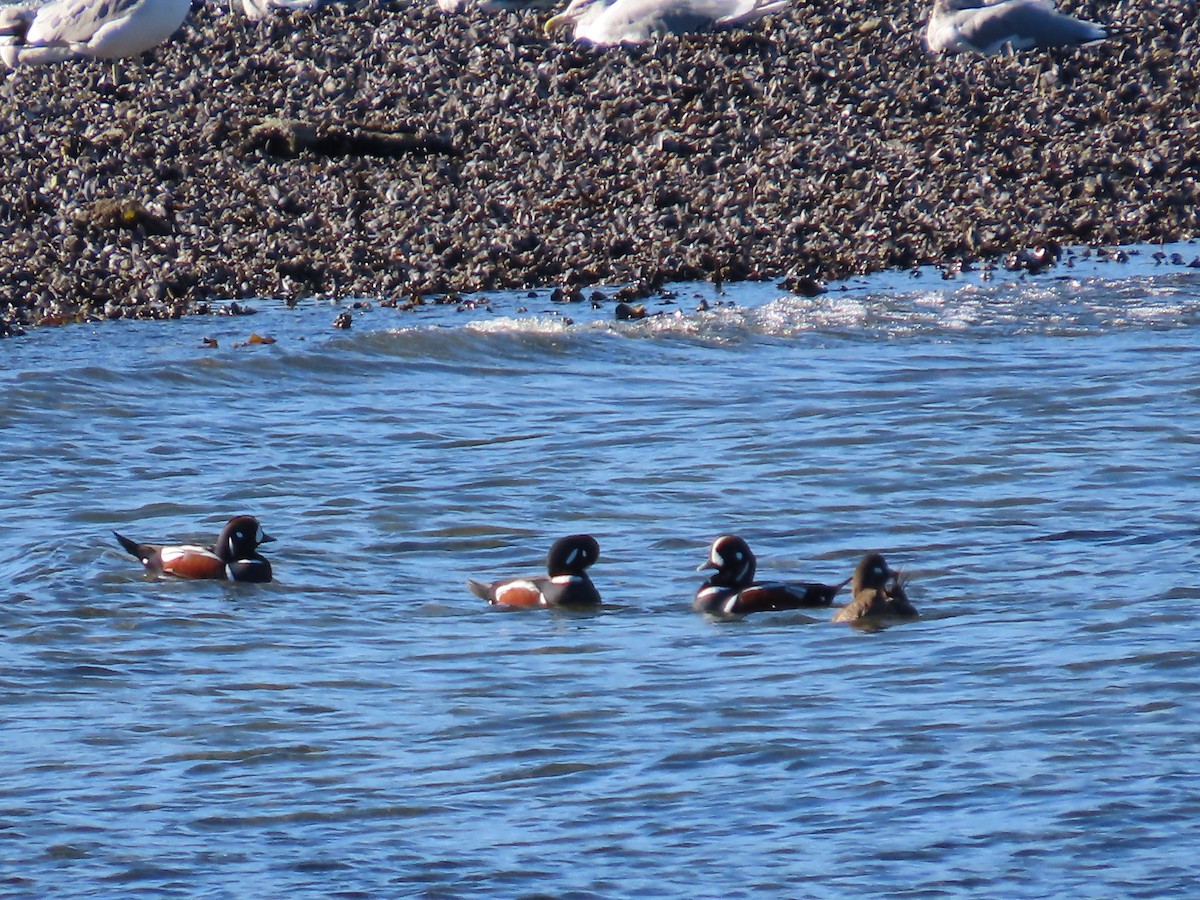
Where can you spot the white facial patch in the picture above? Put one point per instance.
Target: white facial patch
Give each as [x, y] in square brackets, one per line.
[718, 558]
[571, 557]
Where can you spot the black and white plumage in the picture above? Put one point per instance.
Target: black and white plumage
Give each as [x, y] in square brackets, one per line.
[101, 29]
[607, 22]
[732, 592]
[978, 26]
[565, 584]
[234, 556]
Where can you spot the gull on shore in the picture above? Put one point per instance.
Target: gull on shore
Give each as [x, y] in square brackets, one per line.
[606, 22]
[71, 29]
[257, 10]
[15, 19]
[983, 27]
[457, 6]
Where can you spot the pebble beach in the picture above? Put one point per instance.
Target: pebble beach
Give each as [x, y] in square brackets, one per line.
[394, 152]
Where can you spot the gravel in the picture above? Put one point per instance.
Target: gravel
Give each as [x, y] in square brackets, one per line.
[392, 151]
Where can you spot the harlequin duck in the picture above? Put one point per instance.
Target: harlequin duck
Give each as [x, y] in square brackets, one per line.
[566, 583]
[233, 557]
[878, 595]
[731, 590]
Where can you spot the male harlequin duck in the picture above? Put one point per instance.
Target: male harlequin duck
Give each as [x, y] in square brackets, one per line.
[566, 583]
[878, 595]
[731, 590]
[233, 557]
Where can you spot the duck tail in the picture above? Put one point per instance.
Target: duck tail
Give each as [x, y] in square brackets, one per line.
[132, 547]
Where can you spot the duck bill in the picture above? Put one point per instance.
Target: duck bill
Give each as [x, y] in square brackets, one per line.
[554, 24]
[707, 564]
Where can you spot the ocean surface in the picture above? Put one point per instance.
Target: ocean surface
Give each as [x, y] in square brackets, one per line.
[1024, 447]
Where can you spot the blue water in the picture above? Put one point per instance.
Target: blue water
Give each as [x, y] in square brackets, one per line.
[1025, 449]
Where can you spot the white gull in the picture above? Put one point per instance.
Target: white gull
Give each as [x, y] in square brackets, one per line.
[103, 29]
[257, 10]
[458, 6]
[981, 27]
[607, 22]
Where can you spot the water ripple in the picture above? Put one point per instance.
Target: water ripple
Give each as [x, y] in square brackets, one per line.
[1023, 449]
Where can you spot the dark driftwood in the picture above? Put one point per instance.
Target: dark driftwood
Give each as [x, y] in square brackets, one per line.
[112, 214]
[290, 138]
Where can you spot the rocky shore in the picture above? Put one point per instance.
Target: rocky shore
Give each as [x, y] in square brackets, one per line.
[388, 150]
